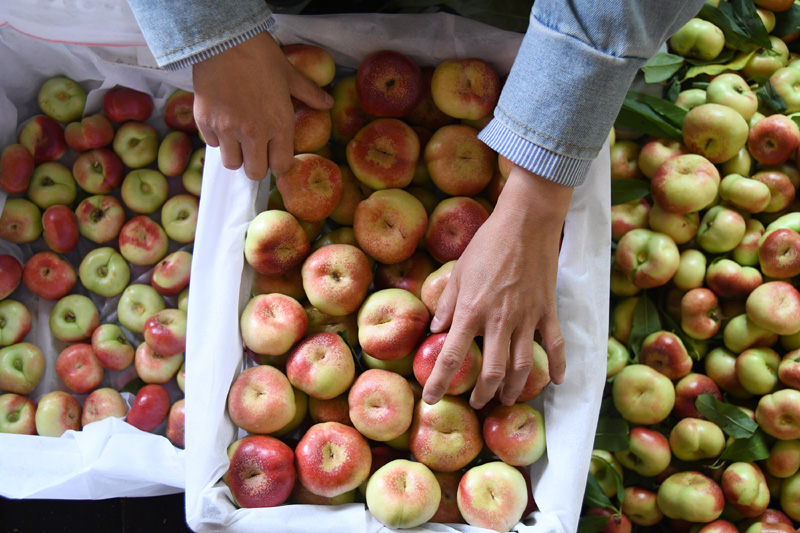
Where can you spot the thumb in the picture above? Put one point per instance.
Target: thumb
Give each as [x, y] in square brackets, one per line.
[308, 92]
[445, 307]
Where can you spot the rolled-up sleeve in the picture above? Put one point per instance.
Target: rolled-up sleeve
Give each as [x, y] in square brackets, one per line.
[183, 32]
[574, 67]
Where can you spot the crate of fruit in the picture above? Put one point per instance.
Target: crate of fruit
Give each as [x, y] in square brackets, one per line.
[81, 132]
[224, 316]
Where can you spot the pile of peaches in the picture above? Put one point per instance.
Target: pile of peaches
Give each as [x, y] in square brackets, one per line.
[700, 427]
[359, 239]
[98, 223]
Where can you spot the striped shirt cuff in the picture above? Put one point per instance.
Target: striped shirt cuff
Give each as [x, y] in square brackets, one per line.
[541, 161]
[267, 25]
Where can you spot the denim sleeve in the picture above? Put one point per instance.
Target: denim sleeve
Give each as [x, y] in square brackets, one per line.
[184, 32]
[570, 77]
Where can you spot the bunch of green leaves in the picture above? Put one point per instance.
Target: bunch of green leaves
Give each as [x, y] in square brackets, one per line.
[749, 442]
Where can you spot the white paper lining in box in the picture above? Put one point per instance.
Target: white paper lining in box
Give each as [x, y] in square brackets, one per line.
[229, 201]
[108, 458]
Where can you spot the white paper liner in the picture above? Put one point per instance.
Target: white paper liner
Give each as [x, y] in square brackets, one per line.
[108, 458]
[229, 200]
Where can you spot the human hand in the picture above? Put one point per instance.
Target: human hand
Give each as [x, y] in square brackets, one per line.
[503, 289]
[243, 105]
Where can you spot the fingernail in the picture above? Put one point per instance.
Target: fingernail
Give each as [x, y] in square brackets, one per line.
[328, 99]
[435, 323]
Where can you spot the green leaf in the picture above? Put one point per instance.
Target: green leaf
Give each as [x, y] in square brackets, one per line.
[787, 22]
[712, 69]
[732, 420]
[651, 115]
[646, 320]
[133, 386]
[753, 448]
[594, 495]
[726, 55]
[745, 14]
[796, 119]
[731, 18]
[770, 97]
[623, 191]
[662, 67]
[611, 435]
[592, 524]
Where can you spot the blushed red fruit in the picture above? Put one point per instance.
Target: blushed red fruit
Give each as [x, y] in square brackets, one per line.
[98, 171]
[388, 84]
[78, 368]
[150, 408]
[48, 276]
[60, 229]
[179, 112]
[44, 138]
[384, 154]
[311, 188]
[16, 168]
[261, 472]
[428, 352]
[94, 131]
[10, 274]
[332, 458]
[452, 225]
[121, 104]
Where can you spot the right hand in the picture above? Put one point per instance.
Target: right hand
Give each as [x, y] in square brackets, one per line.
[243, 105]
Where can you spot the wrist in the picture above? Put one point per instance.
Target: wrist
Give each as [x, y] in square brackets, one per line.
[533, 198]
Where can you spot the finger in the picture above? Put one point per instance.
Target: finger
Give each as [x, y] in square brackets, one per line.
[208, 136]
[306, 90]
[521, 363]
[254, 155]
[445, 306]
[454, 350]
[496, 345]
[230, 152]
[553, 343]
[281, 152]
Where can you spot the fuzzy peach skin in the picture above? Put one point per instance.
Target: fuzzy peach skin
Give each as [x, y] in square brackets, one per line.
[332, 459]
[403, 494]
[381, 404]
[261, 400]
[451, 226]
[492, 496]
[428, 352]
[272, 323]
[389, 224]
[275, 243]
[384, 154]
[445, 436]
[321, 365]
[458, 162]
[391, 322]
[515, 433]
[336, 278]
[311, 188]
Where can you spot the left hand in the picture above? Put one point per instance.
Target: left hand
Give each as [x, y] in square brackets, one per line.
[503, 289]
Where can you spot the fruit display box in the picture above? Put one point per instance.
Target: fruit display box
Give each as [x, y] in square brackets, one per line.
[229, 201]
[109, 458]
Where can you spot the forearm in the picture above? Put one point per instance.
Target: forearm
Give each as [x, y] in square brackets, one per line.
[572, 72]
[181, 33]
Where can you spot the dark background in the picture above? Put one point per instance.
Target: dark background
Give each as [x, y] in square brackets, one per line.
[116, 515]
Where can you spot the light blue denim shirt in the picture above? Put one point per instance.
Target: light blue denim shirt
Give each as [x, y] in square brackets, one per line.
[575, 65]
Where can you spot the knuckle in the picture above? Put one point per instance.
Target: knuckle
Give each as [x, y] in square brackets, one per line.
[450, 360]
[522, 365]
[493, 373]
